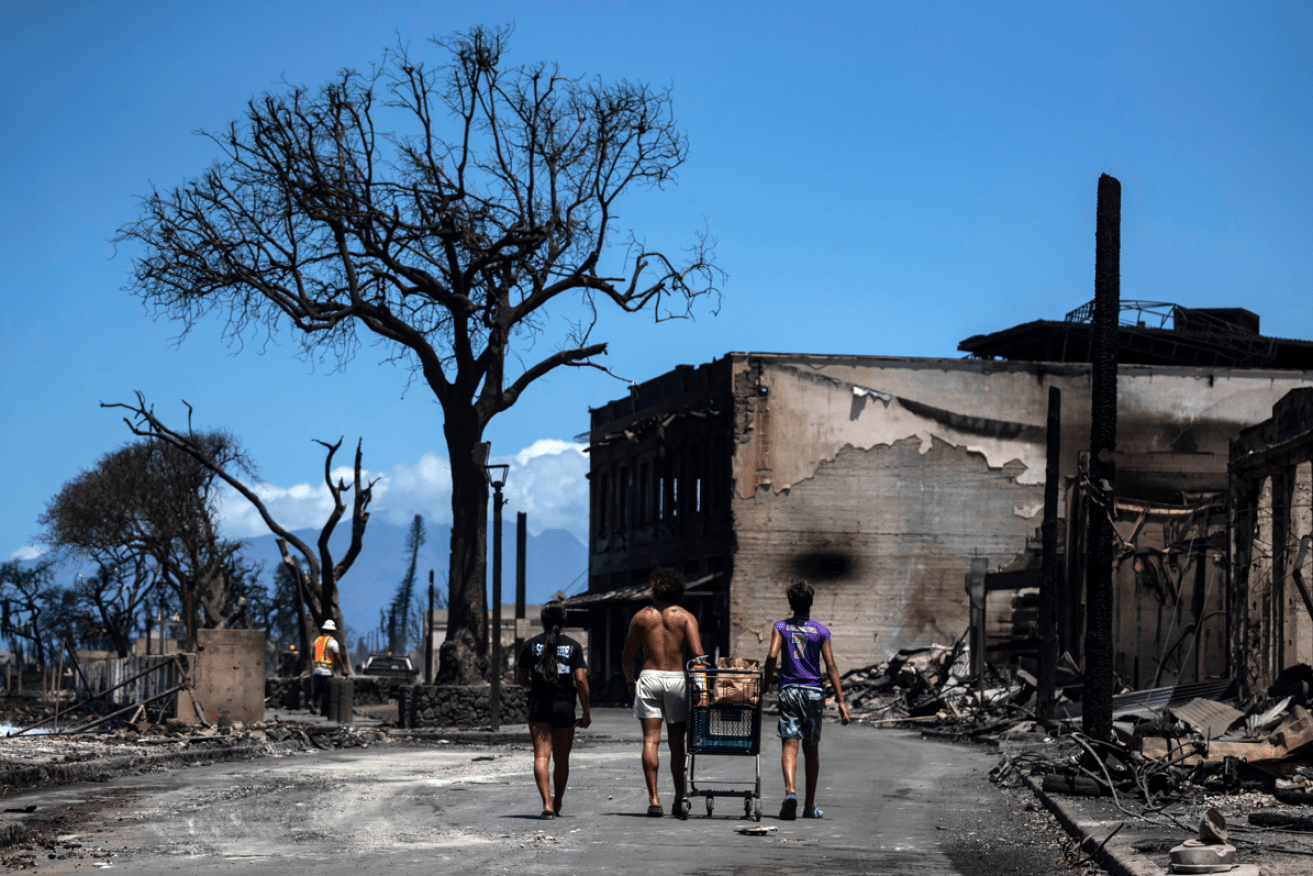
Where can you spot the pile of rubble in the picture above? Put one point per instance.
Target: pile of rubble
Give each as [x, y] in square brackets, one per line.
[1177, 753]
[40, 759]
[931, 683]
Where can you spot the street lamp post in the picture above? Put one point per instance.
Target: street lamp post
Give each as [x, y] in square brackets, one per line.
[496, 475]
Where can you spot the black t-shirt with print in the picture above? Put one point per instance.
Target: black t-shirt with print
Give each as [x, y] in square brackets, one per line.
[569, 656]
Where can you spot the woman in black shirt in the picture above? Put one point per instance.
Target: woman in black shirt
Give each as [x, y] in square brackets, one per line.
[552, 667]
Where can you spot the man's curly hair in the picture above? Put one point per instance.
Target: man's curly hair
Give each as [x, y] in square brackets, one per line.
[667, 584]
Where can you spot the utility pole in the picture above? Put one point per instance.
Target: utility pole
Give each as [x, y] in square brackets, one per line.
[496, 475]
[428, 636]
[521, 545]
[1097, 713]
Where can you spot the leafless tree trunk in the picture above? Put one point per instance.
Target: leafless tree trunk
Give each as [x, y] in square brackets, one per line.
[316, 581]
[449, 237]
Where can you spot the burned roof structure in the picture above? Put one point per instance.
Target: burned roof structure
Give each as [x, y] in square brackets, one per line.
[1150, 333]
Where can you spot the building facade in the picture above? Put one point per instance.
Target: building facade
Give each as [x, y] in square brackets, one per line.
[880, 480]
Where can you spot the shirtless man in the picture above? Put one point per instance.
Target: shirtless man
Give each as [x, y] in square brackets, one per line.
[666, 633]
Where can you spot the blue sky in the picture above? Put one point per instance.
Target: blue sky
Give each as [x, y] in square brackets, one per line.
[883, 179]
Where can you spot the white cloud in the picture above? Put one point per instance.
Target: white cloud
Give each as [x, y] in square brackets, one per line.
[547, 480]
[299, 506]
[420, 488]
[28, 552]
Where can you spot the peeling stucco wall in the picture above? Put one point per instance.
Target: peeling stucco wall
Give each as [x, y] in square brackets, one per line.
[816, 409]
[895, 472]
[817, 405]
[880, 534]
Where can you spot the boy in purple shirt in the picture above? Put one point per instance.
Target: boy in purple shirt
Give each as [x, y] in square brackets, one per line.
[802, 642]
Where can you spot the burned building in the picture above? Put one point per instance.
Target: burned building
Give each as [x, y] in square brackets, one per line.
[880, 480]
[1271, 598]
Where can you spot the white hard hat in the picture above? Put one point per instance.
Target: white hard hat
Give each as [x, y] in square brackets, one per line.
[329, 626]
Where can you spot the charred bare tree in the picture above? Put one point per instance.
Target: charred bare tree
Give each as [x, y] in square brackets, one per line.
[316, 581]
[26, 594]
[148, 501]
[443, 210]
[1099, 674]
[111, 599]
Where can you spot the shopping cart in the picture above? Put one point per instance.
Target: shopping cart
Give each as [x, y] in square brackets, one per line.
[724, 719]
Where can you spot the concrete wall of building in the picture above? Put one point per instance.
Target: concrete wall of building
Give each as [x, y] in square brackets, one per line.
[229, 674]
[878, 479]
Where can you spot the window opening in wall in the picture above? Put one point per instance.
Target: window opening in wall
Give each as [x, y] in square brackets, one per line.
[603, 502]
[695, 472]
[644, 494]
[716, 474]
[671, 491]
[622, 507]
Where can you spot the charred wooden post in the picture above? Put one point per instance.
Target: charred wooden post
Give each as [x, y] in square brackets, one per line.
[1050, 582]
[1097, 720]
[976, 589]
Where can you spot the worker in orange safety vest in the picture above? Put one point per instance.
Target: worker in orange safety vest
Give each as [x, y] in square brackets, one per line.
[325, 656]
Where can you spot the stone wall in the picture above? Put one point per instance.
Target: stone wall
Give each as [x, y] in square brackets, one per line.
[457, 706]
[294, 693]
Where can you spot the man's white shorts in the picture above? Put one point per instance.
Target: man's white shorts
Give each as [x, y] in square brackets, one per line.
[661, 694]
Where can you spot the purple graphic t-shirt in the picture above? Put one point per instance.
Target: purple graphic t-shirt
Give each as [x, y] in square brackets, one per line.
[800, 658]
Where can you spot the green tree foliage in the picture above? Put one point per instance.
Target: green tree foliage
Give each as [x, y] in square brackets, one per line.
[403, 620]
[152, 509]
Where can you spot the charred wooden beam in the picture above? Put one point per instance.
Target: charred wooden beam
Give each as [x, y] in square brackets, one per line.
[1099, 685]
[1049, 581]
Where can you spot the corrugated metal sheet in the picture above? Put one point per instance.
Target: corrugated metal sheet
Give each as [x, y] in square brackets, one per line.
[1208, 717]
[1145, 702]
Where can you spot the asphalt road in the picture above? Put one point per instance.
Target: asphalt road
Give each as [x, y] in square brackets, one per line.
[894, 804]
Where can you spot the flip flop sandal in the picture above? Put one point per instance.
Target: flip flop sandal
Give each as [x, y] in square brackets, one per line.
[789, 808]
[547, 815]
[814, 812]
[655, 812]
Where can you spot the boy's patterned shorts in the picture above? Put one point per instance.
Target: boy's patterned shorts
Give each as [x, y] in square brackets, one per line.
[801, 712]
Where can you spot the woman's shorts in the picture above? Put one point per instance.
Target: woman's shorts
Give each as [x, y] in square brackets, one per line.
[556, 712]
[801, 712]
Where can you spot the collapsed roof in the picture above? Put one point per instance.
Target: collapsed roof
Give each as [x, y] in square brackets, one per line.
[1150, 333]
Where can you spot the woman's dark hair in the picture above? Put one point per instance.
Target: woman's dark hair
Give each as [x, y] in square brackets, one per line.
[800, 595]
[667, 584]
[553, 618]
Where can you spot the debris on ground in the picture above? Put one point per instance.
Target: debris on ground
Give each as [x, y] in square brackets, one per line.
[1177, 753]
[40, 759]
